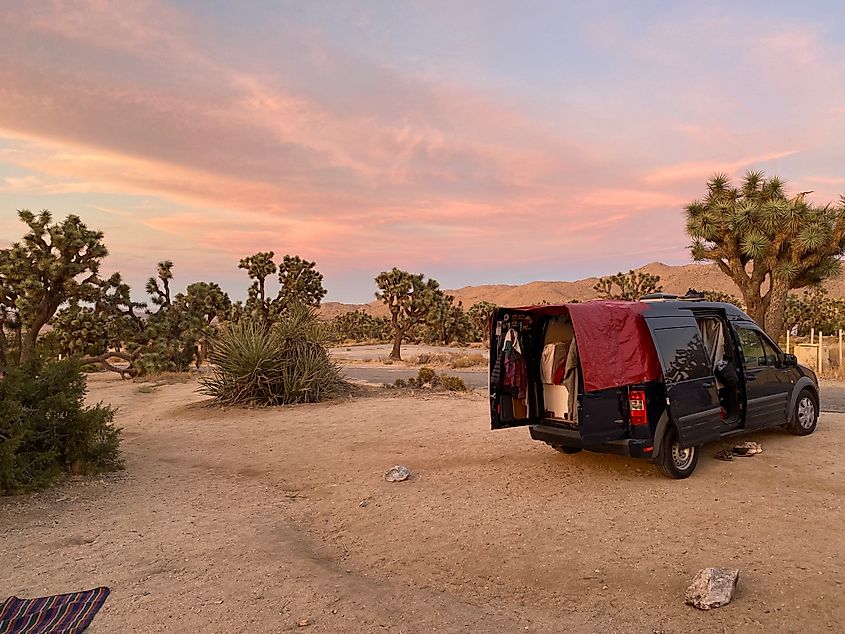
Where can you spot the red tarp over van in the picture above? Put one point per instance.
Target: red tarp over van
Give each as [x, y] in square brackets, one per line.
[614, 344]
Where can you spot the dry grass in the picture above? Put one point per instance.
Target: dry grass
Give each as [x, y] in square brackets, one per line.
[454, 360]
[469, 361]
[154, 381]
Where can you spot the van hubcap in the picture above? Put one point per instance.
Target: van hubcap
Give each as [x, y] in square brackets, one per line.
[806, 412]
[682, 457]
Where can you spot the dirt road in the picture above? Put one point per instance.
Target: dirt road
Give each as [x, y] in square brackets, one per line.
[256, 520]
[379, 375]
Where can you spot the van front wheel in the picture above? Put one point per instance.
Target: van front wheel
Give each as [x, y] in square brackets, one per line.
[675, 461]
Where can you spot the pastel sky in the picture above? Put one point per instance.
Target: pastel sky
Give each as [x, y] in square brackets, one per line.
[475, 141]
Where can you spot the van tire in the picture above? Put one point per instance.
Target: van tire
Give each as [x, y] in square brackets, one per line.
[676, 462]
[804, 415]
[565, 449]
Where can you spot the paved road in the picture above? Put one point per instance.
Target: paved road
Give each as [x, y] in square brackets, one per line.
[379, 375]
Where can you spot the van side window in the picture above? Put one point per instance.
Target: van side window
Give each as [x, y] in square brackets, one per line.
[752, 347]
[682, 353]
[772, 357]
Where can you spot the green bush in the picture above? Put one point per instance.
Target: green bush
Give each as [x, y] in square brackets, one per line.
[427, 375]
[45, 429]
[253, 364]
[453, 384]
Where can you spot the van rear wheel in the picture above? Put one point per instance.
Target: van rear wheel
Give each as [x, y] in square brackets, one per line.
[565, 449]
[676, 461]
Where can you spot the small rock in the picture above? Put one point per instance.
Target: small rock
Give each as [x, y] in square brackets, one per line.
[303, 623]
[397, 473]
[363, 503]
[712, 588]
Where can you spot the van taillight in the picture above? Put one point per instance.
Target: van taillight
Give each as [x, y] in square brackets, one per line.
[636, 405]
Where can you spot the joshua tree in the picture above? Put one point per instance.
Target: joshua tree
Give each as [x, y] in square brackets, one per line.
[410, 298]
[299, 282]
[766, 241]
[202, 304]
[53, 264]
[814, 309]
[160, 295]
[479, 316]
[719, 296]
[357, 325]
[448, 322]
[108, 327]
[259, 267]
[630, 286]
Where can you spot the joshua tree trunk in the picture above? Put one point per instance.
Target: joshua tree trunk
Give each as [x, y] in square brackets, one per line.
[395, 354]
[776, 309]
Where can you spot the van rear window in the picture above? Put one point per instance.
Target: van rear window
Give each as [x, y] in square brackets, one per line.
[682, 353]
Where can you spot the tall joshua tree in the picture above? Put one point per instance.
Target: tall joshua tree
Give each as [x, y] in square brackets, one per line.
[766, 241]
[54, 263]
[259, 267]
[410, 299]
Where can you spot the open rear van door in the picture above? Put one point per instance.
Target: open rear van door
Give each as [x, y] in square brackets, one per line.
[691, 394]
[508, 407]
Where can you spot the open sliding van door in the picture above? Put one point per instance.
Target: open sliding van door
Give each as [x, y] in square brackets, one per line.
[691, 394]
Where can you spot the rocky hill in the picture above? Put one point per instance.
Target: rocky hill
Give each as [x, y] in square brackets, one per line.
[675, 279]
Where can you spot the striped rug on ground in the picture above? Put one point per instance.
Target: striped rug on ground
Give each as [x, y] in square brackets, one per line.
[59, 614]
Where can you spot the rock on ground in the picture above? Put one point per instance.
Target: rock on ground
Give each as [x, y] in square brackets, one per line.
[712, 588]
[397, 473]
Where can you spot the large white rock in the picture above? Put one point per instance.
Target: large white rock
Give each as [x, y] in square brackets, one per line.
[712, 588]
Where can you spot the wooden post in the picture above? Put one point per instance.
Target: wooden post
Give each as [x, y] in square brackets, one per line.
[820, 352]
[787, 341]
[812, 336]
[840, 351]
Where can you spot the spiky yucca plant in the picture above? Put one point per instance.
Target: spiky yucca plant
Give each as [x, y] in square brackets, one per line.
[766, 241]
[286, 363]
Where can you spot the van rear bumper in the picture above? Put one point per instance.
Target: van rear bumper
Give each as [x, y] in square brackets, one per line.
[635, 448]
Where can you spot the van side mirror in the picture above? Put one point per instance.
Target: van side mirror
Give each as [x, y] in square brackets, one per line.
[790, 360]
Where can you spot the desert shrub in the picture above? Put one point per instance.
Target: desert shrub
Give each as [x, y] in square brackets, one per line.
[426, 375]
[469, 361]
[358, 326]
[400, 383]
[285, 363]
[45, 429]
[453, 384]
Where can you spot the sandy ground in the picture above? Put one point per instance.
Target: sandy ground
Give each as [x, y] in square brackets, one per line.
[255, 520]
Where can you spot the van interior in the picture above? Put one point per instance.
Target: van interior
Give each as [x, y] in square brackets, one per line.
[553, 395]
[559, 371]
[721, 353]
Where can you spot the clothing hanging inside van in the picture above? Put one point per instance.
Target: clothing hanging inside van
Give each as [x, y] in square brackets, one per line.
[515, 371]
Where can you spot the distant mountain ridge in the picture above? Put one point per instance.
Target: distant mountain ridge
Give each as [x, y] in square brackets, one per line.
[674, 279]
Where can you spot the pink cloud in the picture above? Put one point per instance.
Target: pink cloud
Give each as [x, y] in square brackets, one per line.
[359, 162]
[701, 170]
